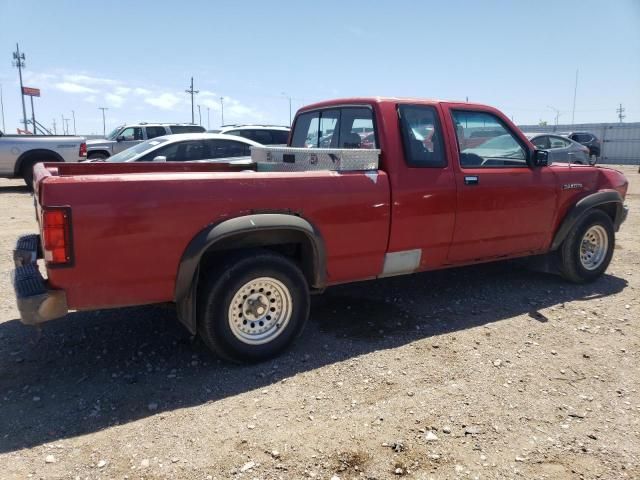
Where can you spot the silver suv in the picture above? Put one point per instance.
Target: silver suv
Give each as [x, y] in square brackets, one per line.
[264, 134]
[126, 136]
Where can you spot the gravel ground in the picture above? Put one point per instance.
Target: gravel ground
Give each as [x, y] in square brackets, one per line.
[482, 372]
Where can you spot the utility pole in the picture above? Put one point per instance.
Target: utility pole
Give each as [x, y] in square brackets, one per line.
[208, 122]
[104, 130]
[199, 116]
[620, 112]
[55, 132]
[73, 114]
[191, 91]
[66, 121]
[18, 61]
[575, 90]
[2, 109]
[33, 116]
[222, 111]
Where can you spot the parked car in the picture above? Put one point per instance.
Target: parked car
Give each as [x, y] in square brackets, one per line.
[264, 134]
[561, 149]
[185, 147]
[587, 139]
[19, 153]
[239, 249]
[126, 136]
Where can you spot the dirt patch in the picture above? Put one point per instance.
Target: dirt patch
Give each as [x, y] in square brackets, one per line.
[481, 372]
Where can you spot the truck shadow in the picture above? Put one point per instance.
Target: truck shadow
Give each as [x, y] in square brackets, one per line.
[14, 189]
[94, 370]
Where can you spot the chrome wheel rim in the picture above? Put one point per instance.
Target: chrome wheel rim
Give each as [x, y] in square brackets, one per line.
[593, 248]
[260, 310]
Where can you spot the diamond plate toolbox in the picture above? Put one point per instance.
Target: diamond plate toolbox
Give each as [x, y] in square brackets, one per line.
[290, 159]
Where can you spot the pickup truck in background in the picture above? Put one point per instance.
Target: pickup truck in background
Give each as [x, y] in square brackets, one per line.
[19, 153]
[239, 250]
[127, 136]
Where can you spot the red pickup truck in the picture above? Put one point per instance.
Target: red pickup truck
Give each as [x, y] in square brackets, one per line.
[239, 250]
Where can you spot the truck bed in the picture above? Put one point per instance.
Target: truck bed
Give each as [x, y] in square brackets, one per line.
[132, 222]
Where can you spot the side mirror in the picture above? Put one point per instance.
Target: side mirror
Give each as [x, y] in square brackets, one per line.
[540, 158]
[120, 138]
[160, 159]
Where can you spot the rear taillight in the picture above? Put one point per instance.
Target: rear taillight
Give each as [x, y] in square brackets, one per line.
[83, 150]
[56, 236]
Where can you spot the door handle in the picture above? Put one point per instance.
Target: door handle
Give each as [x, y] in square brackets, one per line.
[471, 180]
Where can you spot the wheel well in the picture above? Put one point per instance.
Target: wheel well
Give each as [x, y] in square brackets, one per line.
[35, 156]
[290, 243]
[610, 209]
[93, 153]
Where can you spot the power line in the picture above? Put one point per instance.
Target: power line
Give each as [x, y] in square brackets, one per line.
[192, 92]
[18, 61]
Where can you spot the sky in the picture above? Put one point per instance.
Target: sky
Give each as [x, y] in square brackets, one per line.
[136, 58]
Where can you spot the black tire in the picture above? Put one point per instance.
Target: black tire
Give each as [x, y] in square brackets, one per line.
[26, 171]
[227, 281]
[570, 264]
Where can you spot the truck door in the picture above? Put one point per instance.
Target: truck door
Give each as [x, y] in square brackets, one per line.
[128, 137]
[505, 206]
[423, 190]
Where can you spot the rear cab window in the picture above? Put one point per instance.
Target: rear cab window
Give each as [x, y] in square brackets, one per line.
[335, 127]
[421, 136]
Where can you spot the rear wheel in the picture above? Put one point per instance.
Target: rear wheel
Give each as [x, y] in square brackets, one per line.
[586, 252]
[253, 306]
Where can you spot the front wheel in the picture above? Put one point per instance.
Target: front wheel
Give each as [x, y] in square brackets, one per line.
[253, 306]
[586, 252]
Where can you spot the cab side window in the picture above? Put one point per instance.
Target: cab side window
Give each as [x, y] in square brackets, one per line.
[421, 136]
[485, 142]
[131, 133]
[153, 132]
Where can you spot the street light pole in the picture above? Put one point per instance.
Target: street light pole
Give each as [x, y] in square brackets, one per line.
[199, 116]
[557, 113]
[289, 98]
[221, 111]
[208, 123]
[2, 109]
[73, 114]
[104, 131]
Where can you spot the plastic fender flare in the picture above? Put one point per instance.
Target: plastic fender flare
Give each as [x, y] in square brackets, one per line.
[582, 207]
[188, 270]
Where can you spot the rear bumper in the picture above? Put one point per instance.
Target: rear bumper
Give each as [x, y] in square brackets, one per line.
[36, 302]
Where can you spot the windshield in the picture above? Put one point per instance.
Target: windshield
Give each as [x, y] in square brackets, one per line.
[114, 133]
[136, 150]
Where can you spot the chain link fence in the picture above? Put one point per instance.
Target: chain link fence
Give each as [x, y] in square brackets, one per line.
[620, 142]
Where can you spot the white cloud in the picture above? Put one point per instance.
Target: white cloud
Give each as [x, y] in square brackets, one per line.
[165, 101]
[114, 100]
[90, 99]
[90, 80]
[141, 91]
[122, 90]
[70, 87]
